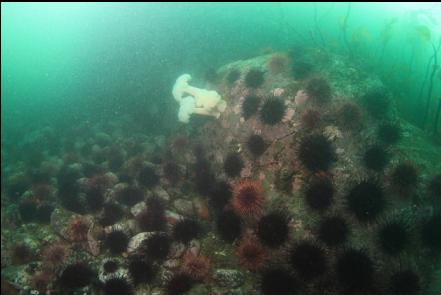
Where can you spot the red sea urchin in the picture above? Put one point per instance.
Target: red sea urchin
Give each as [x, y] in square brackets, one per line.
[248, 198]
[55, 255]
[196, 266]
[178, 284]
[78, 228]
[251, 254]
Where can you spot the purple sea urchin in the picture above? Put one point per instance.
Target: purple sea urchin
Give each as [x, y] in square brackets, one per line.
[434, 187]
[117, 286]
[233, 165]
[319, 194]
[186, 230]
[110, 266]
[256, 145]
[272, 111]
[273, 230]
[393, 237]
[229, 226]
[130, 195]
[333, 231]
[316, 153]
[220, 196]
[76, 276]
[376, 158]
[389, 133]
[117, 241]
[319, 90]
[148, 177]
[250, 105]
[308, 260]
[431, 233]
[355, 270]
[152, 218]
[112, 213]
[140, 270]
[157, 246]
[366, 201]
[254, 78]
[277, 281]
[405, 282]
[232, 76]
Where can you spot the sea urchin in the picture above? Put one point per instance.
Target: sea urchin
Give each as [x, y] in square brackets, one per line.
[316, 153]
[248, 198]
[308, 260]
[272, 111]
[366, 201]
[273, 230]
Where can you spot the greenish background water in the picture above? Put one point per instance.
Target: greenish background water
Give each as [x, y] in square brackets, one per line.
[65, 63]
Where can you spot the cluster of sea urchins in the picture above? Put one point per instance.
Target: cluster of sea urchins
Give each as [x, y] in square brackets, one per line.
[243, 214]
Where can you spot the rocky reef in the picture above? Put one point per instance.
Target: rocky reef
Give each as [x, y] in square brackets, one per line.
[307, 183]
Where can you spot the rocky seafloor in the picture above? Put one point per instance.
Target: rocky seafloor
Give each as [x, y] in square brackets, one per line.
[308, 183]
